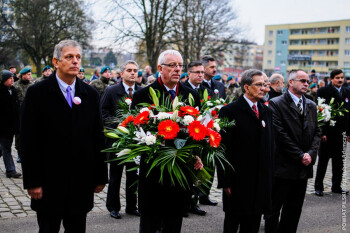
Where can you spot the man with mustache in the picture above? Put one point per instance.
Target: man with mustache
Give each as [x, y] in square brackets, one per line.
[332, 141]
[210, 70]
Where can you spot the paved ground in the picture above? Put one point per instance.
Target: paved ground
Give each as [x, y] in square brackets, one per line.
[319, 214]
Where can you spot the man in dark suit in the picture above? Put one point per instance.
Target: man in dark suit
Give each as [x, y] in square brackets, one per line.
[297, 140]
[276, 87]
[62, 161]
[162, 204]
[247, 187]
[333, 137]
[209, 64]
[109, 103]
[195, 78]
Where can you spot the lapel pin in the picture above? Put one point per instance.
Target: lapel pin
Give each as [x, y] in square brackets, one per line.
[77, 100]
[263, 123]
[346, 100]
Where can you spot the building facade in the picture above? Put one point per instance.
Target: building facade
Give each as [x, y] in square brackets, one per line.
[323, 46]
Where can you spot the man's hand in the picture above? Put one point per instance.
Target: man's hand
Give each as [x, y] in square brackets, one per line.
[99, 188]
[306, 159]
[198, 165]
[324, 138]
[228, 191]
[35, 193]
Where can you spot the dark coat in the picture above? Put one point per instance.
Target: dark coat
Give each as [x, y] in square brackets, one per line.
[249, 146]
[156, 198]
[61, 147]
[109, 101]
[201, 90]
[217, 85]
[295, 135]
[273, 93]
[9, 106]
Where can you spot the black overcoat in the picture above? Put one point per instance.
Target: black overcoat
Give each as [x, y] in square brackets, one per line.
[335, 133]
[156, 198]
[202, 88]
[295, 134]
[217, 85]
[9, 106]
[61, 147]
[249, 146]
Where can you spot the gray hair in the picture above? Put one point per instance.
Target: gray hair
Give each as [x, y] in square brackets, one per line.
[293, 74]
[206, 59]
[247, 77]
[122, 67]
[321, 81]
[162, 58]
[275, 78]
[57, 53]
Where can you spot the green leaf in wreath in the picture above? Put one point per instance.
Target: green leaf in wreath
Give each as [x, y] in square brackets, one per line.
[154, 96]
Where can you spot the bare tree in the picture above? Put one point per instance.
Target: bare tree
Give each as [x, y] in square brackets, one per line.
[146, 20]
[36, 26]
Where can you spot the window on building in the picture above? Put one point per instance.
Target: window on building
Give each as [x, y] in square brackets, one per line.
[284, 42]
[270, 42]
[322, 41]
[279, 32]
[270, 33]
[346, 64]
[347, 28]
[347, 40]
[283, 63]
[4, 8]
[279, 53]
[269, 62]
[269, 52]
[347, 52]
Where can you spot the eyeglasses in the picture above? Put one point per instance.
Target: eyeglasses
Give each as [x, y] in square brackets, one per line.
[260, 85]
[197, 72]
[302, 80]
[181, 66]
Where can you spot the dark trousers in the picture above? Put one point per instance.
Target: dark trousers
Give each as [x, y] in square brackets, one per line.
[17, 146]
[326, 152]
[160, 224]
[51, 223]
[5, 146]
[287, 195]
[246, 224]
[113, 193]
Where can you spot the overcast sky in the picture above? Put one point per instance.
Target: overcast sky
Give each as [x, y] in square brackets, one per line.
[255, 14]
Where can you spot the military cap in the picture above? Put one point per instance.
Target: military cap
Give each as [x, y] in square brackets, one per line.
[139, 73]
[25, 70]
[183, 75]
[313, 85]
[12, 66]
[157, 74]
[81, 69]
[229, 78]
[217, 77]
[46, 68]
[5, 74]
[104, 69]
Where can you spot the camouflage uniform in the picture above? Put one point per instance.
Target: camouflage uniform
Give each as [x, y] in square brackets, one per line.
[21, 88]
[233, 92]
[101, 84]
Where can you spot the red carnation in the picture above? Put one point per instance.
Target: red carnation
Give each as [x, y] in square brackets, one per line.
[214, 113]
[142, 118]
[197, 130]
[169, 129]
[189, 110]
[127, 121]
[214, 138]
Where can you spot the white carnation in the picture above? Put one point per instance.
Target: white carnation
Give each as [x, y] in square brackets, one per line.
[188, 119]
[150, 139]
[216, 91]
[217, 127]
[144, 110]
[128, 101]
[163, 115]
[209, 104]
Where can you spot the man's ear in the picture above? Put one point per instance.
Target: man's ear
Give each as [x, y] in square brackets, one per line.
[55, 62]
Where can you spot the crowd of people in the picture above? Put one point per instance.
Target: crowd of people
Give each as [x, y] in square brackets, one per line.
[57, 121]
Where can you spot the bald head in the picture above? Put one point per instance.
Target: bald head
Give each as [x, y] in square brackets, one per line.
[277, 82]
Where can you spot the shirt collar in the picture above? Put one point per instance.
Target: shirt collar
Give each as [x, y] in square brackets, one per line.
[167, 88]
[193, 86]
[296, 99]
[209, 82]
[63, 86]
[126, 87]
[250, 102]
[338, 89]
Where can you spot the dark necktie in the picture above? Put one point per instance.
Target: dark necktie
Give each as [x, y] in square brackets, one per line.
[300, 108]
[130, 92]
[255, 110]
[172, 93]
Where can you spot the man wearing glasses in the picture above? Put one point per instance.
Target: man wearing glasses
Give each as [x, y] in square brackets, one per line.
[297, 140]
[161, 205]
[195, 78]
[247, 187]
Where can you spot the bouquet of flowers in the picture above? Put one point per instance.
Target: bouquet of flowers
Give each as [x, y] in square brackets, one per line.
[169, 136]
[327, 112]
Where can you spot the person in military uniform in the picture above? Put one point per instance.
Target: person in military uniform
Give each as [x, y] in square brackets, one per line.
[81, 76]
[21, 86]
[233, 90]
[13, 70]
[104, 81]
[47, 71]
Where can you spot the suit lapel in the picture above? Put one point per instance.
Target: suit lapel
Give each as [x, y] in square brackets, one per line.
[245, 107]
[54, 88]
